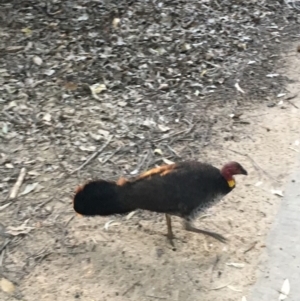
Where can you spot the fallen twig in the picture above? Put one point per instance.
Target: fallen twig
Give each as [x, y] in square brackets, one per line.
[176, 134]
[3, 248]
[288, 99]
[69, 220]
[130, 287]
[2, 257]
[12, 119]
[5, 244]
[169, 136]
[221, 286]
[14, 192]
[93, 156]
[156, 297]
[250, 247]
[44, 203]
[295, 150]
[109, 157]
[173, 151]
[5, 206]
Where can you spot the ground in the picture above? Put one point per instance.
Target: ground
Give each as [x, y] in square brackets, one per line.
[171, 94]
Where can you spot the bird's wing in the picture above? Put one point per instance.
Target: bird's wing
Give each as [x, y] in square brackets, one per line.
[178, 187]
[149, 174]
[157, 171]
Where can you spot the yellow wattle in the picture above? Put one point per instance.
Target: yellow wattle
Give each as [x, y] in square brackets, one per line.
[231, 183]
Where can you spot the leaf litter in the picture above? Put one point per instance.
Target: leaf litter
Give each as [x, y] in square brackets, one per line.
[130, 84]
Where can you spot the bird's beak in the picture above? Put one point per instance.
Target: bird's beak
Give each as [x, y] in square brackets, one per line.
[244, 171]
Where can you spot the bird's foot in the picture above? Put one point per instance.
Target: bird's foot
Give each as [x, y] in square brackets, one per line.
[171, 238]
[215, 235]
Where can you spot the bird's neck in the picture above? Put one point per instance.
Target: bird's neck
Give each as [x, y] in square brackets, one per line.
[231, 182]
[229, 178]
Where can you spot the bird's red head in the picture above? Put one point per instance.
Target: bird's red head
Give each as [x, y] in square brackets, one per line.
[232, 168]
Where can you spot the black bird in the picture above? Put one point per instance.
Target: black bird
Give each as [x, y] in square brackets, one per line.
[182, 189]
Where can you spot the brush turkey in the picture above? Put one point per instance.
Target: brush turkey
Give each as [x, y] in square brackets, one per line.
[181, 189]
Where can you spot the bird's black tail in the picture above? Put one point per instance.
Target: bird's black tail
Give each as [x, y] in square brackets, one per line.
[99, 198]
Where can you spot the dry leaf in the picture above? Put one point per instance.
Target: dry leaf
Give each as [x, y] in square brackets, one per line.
[158, 151]
[116, 22]
[5, 128]
[280, 103]
[167, 161]
[4, 206]
[285, 290]
[27, 31]
[9, 165]
[280, 95]
[33, 173]
[272, 75]
[163, 128]
[295, 150]
[186, 46]
[163, 86]
[237, 86]
[242, 46]
[110, 223]
[130, 215]
[122, 103]
[37, 60]
[235, 264]
[134, 172]
[29, 188]
[97, 89]
[233, 288]
[149, 123]
[84, 17]
[70, 86]
[104, 133]
[14, 48]
[277, 192]
[91, 148]
[203, 73]
[49, 72]
[47, 117]
[95, 136]
[220, 287]
[7, 286]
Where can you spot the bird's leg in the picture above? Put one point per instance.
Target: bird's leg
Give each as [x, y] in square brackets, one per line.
[170, 232]
[188, 227]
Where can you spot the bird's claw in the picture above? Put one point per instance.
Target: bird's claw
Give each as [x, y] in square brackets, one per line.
[170, 238]
[219, 237]
[215, 235]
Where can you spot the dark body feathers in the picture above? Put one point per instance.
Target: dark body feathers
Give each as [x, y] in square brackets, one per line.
[179, 189]
[182, 189]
